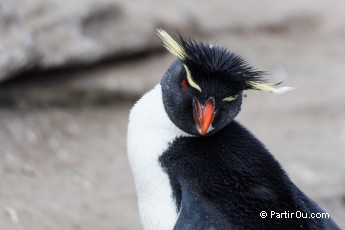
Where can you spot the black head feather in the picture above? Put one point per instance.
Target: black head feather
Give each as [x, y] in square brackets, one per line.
[213, 73]
[217, 62]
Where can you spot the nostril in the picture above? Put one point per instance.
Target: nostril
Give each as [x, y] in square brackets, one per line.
[197, 112]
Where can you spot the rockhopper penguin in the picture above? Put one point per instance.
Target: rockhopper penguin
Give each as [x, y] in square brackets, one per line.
[194, 166]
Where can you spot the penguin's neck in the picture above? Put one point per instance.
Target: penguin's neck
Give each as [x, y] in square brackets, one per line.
[149, 133]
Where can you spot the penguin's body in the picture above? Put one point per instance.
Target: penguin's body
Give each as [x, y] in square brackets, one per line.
[194, 166]
[149, 133]
[225, 180]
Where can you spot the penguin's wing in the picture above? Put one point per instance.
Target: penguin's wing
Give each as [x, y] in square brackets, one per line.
[309, 206]
[197, 213]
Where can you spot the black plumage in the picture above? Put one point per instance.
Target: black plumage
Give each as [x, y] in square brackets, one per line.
[224, 179]
[212, 61]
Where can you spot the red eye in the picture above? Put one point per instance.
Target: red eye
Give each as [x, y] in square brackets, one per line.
[184, 84]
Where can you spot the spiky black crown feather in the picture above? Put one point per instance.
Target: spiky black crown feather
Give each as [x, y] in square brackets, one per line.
[217, 61]
[210, 60]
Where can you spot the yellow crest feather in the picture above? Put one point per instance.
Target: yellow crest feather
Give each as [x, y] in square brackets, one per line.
[268, 88]
[176, 49]
[171, 45]
[190, 79]
[231, 98]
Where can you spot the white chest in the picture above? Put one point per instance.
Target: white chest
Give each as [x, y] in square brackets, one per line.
[149, 133]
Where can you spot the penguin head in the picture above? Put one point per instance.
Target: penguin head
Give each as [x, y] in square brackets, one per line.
[203, 88]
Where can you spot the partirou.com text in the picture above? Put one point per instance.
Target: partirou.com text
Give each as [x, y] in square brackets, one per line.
[297, 214]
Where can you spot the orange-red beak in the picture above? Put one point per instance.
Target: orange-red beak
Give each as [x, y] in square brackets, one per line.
[203, 115]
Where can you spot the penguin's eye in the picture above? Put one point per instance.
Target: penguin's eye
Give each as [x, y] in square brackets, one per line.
[184, 84]
[231, 98]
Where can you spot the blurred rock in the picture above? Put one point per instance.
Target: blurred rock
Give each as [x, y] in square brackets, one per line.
[70, 33]
[105, 83]
[53, 34]
[16, 43]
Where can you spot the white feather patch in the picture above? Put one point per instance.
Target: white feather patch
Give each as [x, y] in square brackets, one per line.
[149, 133]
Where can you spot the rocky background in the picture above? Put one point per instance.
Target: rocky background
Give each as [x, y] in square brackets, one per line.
[71, 70]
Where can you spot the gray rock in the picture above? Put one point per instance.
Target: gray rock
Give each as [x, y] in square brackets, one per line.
[69, 33]
[16, 43]
[50, 34]
[106, 83]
